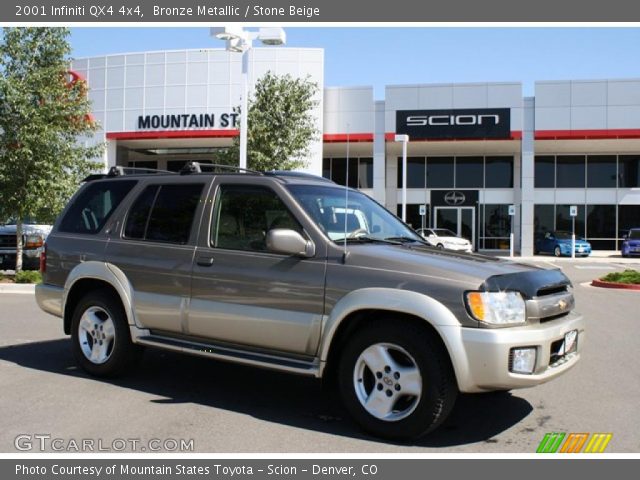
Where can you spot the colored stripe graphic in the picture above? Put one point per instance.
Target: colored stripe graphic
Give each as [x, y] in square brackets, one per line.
[550, 442]
[574, 443]
[598, 443]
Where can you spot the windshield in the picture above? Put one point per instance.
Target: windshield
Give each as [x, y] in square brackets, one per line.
[443, 232]
[566, 236]
[634, 234]
[365, 219]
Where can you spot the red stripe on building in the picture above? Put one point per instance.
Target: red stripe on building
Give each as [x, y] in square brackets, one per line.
[344, 137]
[227, 133]
[620, 133]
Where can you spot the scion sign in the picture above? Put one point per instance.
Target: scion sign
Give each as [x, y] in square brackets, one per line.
[458, 123]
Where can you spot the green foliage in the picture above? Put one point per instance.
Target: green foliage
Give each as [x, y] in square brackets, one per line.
[281, 126]
[627, 276]
[43, 117]
[28, 276]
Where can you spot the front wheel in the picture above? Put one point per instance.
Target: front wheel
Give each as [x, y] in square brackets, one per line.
[100, 334]
[557, 252]
[396, 380]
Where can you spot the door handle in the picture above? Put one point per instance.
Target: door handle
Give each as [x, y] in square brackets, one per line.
[205, 261]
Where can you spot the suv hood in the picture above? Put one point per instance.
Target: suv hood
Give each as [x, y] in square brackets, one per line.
[476, 271]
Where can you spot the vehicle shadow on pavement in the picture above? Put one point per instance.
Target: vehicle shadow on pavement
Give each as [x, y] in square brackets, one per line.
[271, 396]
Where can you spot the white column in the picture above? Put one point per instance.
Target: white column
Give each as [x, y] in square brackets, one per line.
[109, 156]
[527, 158]
[379, 158]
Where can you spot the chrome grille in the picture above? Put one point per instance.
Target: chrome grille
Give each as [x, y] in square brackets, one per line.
[7, 241]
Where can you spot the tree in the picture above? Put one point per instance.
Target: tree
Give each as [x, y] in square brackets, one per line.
[281, 125]
[44, 113]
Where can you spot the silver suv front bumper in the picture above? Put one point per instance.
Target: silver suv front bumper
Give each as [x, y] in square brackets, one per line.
[484, 364]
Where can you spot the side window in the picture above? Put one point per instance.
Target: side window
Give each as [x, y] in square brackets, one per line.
[164, 213]
[244, 214]
[94, 205]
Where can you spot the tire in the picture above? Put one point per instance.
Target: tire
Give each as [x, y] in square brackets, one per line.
[440, 246]
[414, 355]
[557, 252]
[99, 317]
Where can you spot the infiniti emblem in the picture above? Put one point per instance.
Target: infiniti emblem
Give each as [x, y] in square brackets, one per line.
[454, 198]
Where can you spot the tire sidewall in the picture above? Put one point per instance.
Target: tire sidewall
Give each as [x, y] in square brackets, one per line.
[122, 347]
[434, 367]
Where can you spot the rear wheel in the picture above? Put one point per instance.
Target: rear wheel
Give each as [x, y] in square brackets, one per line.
[100, 333]
[396, 380]
[440, 246]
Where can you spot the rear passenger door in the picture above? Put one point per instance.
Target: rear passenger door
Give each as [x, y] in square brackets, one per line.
[155, 246]
[245, 295]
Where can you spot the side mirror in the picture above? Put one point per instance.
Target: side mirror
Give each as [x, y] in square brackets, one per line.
[624, 237]
[290, 242]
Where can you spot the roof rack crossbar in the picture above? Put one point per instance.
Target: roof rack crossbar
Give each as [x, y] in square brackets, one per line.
[197, 167]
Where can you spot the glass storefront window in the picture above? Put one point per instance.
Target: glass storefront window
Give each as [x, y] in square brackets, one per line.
[326, 168]
[543, 219]
[601, 221]
[365, 173]
[469, 172]
[414, 219]
[629, 171]
[496, 226]
[416, 172]
[570, 171]
[564, 221]
[601, 171]
[440, 172]
[545, 174]
[498, 172]
[628, 217]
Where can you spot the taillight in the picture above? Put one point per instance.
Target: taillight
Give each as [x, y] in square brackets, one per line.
[43, 259]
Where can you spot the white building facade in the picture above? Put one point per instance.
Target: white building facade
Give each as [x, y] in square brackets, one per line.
[475, 150]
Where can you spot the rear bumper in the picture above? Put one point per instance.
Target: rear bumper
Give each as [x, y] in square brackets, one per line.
[486, 354]
[49, 298]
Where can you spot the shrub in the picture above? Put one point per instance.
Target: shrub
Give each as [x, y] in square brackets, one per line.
[627, 276]
[28, 276]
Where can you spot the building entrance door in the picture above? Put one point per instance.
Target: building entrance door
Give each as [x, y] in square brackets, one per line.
[460, 220]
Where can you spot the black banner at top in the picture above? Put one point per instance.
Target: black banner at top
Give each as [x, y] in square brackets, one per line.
[454, 123]
[305, 11]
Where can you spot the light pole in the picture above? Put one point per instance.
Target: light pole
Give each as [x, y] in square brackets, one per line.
[241, 41]
[405, 140]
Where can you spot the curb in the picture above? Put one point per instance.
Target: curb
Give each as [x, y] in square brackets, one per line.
[623, 286]
[17, 288]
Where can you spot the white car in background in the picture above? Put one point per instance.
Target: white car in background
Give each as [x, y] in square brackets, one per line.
[445, 238]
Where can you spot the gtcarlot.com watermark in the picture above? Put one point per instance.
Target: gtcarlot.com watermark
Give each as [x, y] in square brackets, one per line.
[30, 442]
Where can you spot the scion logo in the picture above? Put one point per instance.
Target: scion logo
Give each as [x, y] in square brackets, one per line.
[560, 442]
[454, 198]
[454, 123]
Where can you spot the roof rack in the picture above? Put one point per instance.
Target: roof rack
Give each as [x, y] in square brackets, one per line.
[293, 174]
[119, 171]
[197, 167]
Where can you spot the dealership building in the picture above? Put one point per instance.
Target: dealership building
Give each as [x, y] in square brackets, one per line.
[477, 152]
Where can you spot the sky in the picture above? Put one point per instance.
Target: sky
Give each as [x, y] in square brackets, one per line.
[390, 56]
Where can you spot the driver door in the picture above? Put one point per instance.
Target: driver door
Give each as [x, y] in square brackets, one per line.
[245, 295]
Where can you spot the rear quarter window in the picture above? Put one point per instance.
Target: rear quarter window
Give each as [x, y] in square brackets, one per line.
[94, 205]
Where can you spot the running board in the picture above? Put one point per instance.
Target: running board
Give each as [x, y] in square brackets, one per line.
[291, 365]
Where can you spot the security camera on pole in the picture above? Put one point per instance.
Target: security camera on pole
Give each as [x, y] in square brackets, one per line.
[240, 40]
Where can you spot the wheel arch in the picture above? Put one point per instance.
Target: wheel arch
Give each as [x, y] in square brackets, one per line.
[89, 276]
[360, 306]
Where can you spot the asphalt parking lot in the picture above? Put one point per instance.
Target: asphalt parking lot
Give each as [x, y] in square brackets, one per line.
[229, 408]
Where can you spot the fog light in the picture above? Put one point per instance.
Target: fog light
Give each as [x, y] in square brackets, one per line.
[523, 360]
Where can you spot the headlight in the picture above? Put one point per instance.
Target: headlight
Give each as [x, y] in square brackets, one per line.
[497, 308]
[33, 241]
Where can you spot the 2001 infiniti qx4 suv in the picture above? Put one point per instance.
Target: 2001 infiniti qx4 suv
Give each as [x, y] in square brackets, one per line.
[250, 268]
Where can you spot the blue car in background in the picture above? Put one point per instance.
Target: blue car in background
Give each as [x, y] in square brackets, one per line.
[559, 244]
[631, 243]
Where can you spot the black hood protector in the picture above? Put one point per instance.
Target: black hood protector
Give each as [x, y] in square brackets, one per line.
[531, 284]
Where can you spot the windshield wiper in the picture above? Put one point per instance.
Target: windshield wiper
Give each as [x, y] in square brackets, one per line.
[403, 239]
[366, 239]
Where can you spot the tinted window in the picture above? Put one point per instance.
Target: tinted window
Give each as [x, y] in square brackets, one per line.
[564, 221]
[629, 171]
[545, 175]
[601, 221]
[497, 221]
[365, 173]
[164, 213]
[172, 213]
[440, 172]
[416, 172]
[601, 171]
[138, 217]
[570, 171]
[151, 164]
[628, 218]
[244, 215]
[94, 205]
[326, 168]
[469, 172]
[543, 219]
[498, 172]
